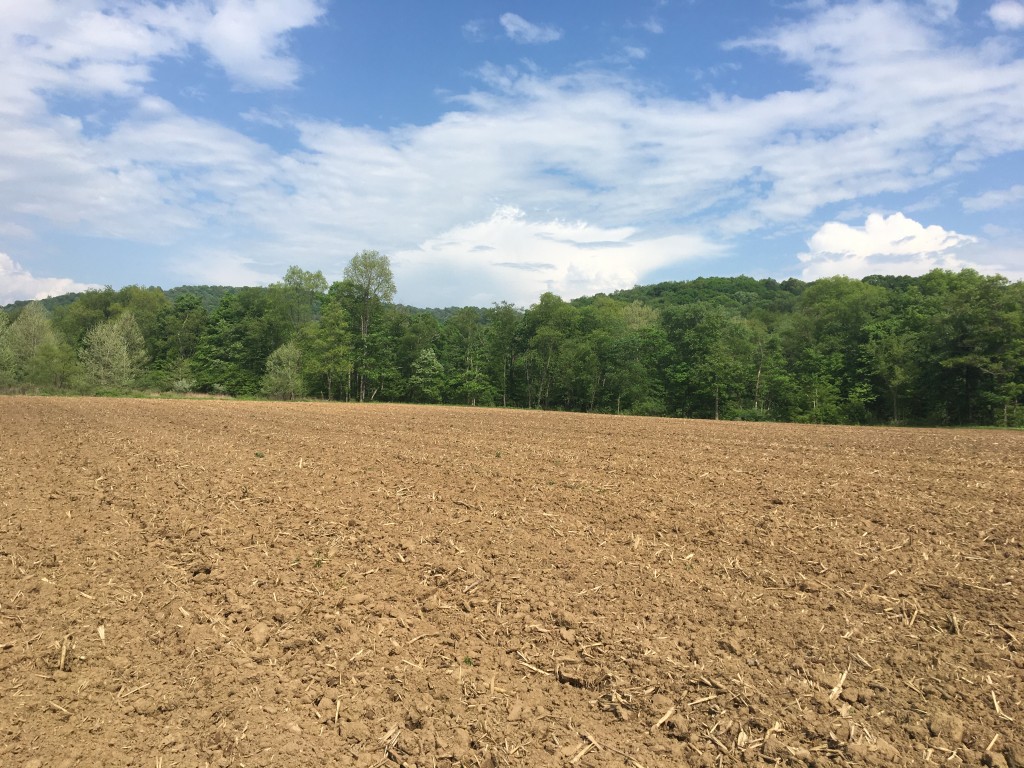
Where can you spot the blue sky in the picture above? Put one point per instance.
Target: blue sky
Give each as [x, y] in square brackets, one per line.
[496, 150]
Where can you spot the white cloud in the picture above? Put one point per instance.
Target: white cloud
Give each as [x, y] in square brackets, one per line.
[247, 38]
[943, 9]
[96, 47]
[224, 266]
[996, 257]
[889, 245]
[17, 283]
[520, 30]
[889, 108]
[1007, 14]
[653, 26]
[511, 257]
[881, 76]
[996, 198]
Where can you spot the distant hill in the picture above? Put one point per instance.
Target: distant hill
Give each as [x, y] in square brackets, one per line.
[50, 304]
[738, 292]
[210, 295]
[439, 314]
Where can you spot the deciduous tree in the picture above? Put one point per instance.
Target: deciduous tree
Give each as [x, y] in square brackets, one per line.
[428, 377]
[113, 353]
[283, 377]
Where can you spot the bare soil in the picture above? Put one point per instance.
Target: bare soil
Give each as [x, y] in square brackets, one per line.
[193, 583]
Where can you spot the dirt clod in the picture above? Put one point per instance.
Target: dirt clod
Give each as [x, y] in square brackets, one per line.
[946, 726]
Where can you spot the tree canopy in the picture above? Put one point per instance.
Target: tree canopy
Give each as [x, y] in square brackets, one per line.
[945, 348]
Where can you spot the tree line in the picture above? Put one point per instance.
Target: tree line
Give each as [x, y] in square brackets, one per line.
[946, 348]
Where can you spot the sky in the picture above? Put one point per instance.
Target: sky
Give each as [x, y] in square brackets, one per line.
[497, 150]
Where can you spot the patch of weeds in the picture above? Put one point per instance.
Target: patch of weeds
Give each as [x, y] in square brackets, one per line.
[260, 454]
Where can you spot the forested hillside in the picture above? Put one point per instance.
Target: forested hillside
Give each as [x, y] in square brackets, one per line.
[943, 348]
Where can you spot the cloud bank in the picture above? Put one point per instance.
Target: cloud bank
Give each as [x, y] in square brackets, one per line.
[885, 245]
[17, 283]
[509, 257]
[887, 106]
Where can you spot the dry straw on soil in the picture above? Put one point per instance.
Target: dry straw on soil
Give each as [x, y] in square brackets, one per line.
[243, 584]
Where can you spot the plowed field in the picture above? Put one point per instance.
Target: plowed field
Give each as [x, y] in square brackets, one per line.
[192, 583]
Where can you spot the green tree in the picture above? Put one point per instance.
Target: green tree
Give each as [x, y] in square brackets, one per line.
[283, 377]
[40, 357]
[87, 311]
[548, 326]
[503, 321]
[891, 352]
[113, 353]
[625, 344]
[970, 334]
[412, 332]
[379, 375]
[428, 377]
[149, 308]
[372, 285]
[6, 354]
[774, 389]
[464, 338]
[826, 338]
[368, 288]
[300, 295]
[232, 354]
[183, 327]
[713, 357]
[327, 351]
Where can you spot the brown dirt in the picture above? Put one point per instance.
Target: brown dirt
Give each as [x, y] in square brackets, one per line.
[191, 583]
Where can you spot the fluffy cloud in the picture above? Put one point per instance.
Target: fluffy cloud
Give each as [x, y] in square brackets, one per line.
[17, 283]
[892, 244]
[97, 47]
[883, 112]
[224, 266]
[511, 257]
[246, 37]
[1007, 14]
[521, 31]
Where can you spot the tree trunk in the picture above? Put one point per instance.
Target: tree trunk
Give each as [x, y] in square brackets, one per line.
[545, 383]
[504, 382]
[757, 389]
